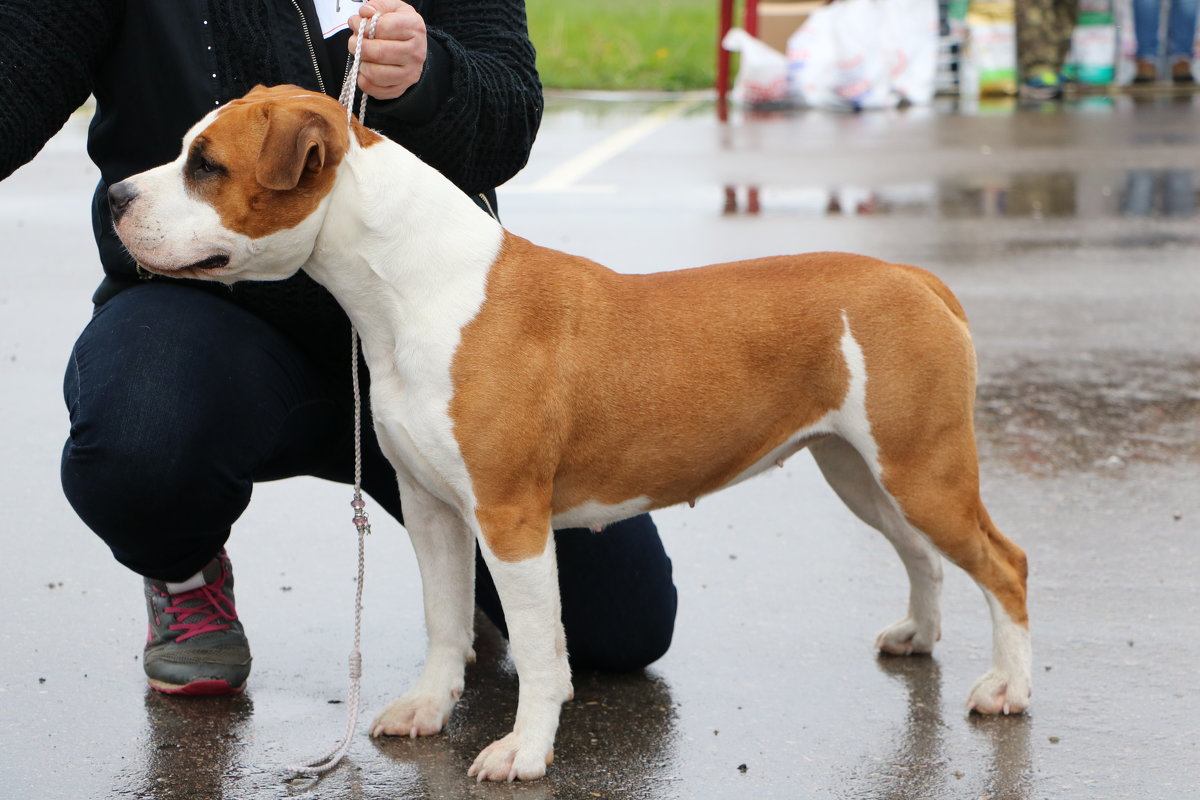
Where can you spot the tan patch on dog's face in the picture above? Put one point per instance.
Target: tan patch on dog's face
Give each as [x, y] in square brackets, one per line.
[268, 159]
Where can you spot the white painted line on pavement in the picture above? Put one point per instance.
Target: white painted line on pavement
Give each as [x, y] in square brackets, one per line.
[565, 176]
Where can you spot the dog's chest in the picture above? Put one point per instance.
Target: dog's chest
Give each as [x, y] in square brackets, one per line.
[415, 431]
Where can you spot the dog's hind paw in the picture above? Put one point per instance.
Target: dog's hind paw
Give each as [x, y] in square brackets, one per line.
[907, 637]
[999, 693]
[413, 716]
[510, 759]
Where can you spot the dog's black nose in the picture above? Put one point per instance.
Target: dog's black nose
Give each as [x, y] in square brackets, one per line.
[120, 197]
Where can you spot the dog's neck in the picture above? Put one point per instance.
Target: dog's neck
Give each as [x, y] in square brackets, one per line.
[403, 250]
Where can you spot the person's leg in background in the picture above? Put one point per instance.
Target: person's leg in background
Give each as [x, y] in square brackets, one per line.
[1146, 18]
[1044, 29]
[1181, 38]
[178, 401]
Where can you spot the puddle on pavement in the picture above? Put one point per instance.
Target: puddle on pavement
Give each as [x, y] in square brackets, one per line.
[1045, 419]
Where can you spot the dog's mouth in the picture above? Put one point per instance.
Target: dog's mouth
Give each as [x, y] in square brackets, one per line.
[204, 268]
[210, 263]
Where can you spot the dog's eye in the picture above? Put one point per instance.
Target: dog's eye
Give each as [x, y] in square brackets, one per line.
[204, 168]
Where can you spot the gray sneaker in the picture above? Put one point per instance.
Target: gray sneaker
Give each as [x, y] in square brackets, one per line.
[196, 645]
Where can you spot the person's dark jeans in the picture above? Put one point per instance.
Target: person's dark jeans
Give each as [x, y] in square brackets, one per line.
[180, 401]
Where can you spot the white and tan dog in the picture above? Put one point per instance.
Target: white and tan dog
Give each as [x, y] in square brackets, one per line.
[518, 389]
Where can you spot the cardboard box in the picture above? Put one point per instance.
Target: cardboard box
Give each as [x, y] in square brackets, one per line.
[778, 21]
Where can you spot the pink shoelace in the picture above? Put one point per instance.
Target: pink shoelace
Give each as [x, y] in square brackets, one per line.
[213, 603]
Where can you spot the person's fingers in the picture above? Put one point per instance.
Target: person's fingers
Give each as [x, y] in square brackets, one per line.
[394, 57]
[394, 53]
[385, 82]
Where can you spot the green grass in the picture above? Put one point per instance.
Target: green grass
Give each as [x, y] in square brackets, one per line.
[624, 44]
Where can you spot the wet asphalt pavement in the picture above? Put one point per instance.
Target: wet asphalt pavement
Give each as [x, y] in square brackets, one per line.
[1071, 235]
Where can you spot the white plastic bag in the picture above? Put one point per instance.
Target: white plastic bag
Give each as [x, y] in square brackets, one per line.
[861, 54]
[762, 74]
[912, 47]
[862, 76]
[812, 60]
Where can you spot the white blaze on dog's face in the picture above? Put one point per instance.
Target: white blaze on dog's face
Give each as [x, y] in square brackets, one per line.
[245, 199]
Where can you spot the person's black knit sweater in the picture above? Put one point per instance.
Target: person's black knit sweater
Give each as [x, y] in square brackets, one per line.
[157, 67]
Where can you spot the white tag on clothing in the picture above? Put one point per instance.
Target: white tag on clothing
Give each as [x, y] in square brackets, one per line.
[334, 14]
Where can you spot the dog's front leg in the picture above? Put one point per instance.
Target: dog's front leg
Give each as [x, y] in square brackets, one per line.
[445, 550]
[528, 589]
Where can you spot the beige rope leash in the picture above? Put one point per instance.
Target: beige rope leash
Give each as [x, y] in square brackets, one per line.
[351, 83]
[325, 763]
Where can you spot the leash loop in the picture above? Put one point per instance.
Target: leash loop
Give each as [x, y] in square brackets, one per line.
[346, 98]
[324, 763]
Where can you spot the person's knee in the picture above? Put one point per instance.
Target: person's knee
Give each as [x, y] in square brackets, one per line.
[633, 644]
[619, 597]
[150, 505]
[133, 441]
[135, 469]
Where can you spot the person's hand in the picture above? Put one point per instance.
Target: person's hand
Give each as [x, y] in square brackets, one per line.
[394, 59]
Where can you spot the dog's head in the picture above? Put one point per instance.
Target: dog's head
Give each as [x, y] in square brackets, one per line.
[245, 199]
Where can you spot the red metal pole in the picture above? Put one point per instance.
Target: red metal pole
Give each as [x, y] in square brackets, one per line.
[725, 22]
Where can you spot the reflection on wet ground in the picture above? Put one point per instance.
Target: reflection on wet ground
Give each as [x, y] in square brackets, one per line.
[917, 765]
[1044, 418]
[1035, 195]
[192, 749]
[1053, 161]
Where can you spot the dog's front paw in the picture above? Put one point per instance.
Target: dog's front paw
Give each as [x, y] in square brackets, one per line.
[511, 758]
[414, 715]
[907, 637]
[999, 692]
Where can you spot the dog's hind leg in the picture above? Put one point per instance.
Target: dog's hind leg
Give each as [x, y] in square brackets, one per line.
[937, 489]
[853, 481]
[518, 549]
[445, 550]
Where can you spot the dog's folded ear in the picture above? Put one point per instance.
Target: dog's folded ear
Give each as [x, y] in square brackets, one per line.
[299, 142]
